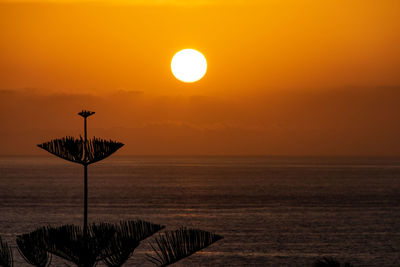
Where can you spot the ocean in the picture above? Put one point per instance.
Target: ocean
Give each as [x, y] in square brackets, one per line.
[272, 211]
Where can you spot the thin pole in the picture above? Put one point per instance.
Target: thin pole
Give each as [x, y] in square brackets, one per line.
[85, 208]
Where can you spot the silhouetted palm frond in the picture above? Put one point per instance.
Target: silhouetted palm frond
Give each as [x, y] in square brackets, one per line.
[173, 246]
[86, 113]
[73, 149]
[6, 255]
[138, 229]
[330, 262]
[119, 251]
[127, 238]
[70, 243]
[111, 243]
[33, 247]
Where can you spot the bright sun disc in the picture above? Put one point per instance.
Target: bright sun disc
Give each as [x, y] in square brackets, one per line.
[189, 65]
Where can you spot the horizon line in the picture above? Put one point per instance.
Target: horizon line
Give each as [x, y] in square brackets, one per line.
[225, 155]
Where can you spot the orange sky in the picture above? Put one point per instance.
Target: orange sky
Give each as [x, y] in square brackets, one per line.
[284, 78]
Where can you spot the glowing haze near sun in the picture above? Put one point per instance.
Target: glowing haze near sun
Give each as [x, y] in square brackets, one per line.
[189, 65]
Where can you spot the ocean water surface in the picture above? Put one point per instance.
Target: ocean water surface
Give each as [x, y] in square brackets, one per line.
[272, 211]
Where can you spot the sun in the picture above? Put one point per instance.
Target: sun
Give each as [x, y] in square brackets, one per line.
[189, 65]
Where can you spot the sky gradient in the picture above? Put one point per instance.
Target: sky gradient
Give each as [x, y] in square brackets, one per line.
[284, 77]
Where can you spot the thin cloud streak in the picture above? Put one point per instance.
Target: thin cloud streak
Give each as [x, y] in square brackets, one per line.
[273, 123]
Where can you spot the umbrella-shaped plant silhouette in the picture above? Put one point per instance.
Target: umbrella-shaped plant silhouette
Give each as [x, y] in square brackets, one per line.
[84, 152]
[110, 243]
[172, 246]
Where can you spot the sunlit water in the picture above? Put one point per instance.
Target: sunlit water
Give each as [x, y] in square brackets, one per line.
[272, 211]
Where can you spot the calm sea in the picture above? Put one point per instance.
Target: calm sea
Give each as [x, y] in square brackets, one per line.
[272, 211]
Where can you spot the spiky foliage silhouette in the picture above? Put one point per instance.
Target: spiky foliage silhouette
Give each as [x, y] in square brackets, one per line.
[84, 249]
[330, 262]
[112, 244]
[6, 256]
[84, 152]
[173, 246]
[76, 150]
[33, 247]
[128, 236]
[119, 251]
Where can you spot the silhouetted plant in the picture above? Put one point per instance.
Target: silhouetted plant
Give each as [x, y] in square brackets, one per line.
[6, 256]
[173, 246]
[127, 238]
[73, 149]
[84, 152]
[84, 249]
[330, 262]
[33, 247]
[138, 230]
[119, 251]
[112, 244]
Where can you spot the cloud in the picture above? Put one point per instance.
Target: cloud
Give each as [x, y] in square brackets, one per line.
[352, 121]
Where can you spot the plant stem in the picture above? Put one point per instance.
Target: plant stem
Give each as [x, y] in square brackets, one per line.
[85, 211]
[85, 208]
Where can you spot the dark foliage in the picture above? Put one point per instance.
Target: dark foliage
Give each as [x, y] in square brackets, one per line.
[138, 229]
[33, 247]
[127, 238]
[111, 243]
[6, 256]
[173, 246]
[86, 113]
[330, 262]
[73, 149]
[70, 243]
[119, 251]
